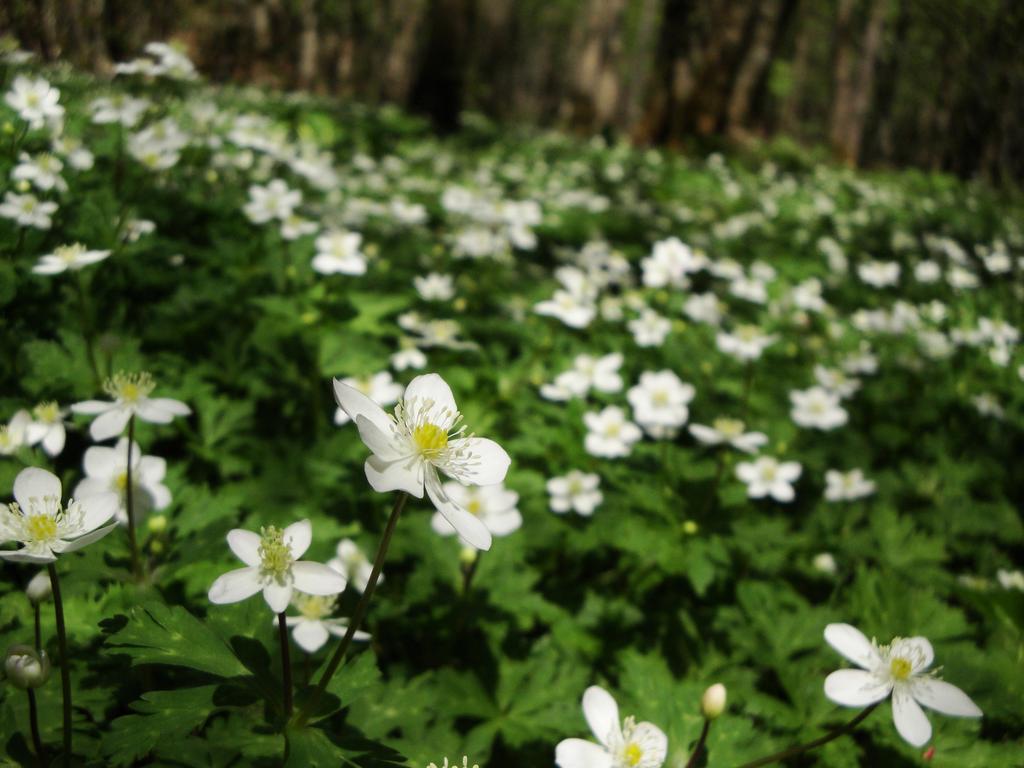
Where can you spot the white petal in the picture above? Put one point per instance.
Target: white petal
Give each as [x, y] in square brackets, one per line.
[317, 579]
[782, 491]
[919, 650]
[28, 556]
[298, 536]
[909, 718]
[245, 545]
[355, 404]
[943, 697]
[402, 475]
[277, 596]
[109, 424]
[151, 411]
[504, 523]
[432, 387]
[235, 585]
[35, 483]
[855, 688]
[98, 509]
[310, 635]
[705, 434]
[102, 462]
[602, 714]
[852, 644]
[53, 443]
[577, 753]
[490, 464]
[171, 406]
[469, 527]
[381, 443]
[92, 407]
[88, 538]
[440, 525]
[654, 741]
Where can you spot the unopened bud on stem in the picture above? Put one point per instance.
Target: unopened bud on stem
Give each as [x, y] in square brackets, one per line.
[712, 703]
[39, 590]
[25, 667]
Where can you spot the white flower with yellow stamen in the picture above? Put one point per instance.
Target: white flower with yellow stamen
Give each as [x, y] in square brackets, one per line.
[576, 491]
[105, 470]
[44, 526]
[13, 434]
[628, 744]
[351, 563]
[899, 669]
[423, 436]
[47, 428]
[313, 626]
[272, 566]
[729, 432]
[495, 505]
[768, 476]
[67, 257]
[131, 397]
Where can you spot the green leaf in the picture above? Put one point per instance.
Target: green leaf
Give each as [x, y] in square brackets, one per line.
[165, 718]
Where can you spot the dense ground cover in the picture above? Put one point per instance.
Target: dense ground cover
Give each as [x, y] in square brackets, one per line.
[643, 333]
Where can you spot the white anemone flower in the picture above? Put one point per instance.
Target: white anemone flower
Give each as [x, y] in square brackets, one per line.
[650, 329]
[35, 100]
[68, 257]
[495, 505]
[276, 200]
[131, 397]
[313, 627]
[625, 744]
[817, 408]
[610, 434]
[351, 563]
[272, 566]
[380, 387]
[847, 486]
[105, 472]
[660, 402]
[434, 286]
[47, 428]
[339, 252]
[746, 343]
[900, 670]
[43, 526]
[725, 431]
[28, 210]
[769, 477]
[577, 491]
[14, 434]
[423, 436]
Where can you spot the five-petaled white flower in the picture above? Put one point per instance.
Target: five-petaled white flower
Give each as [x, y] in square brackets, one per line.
[577, 491]
[423, 436]
[768, 477]
[272, 566]
[35, 101]
[68, 257]
[899, 669]
[47, 428]
[495, 505]
[610, 434]
[351, 563]
[729, 432]
[46, 528]
[628, 744]
[338, 252]
[817, 408]
[131, 396]
[847, 486]
[105, 472]
[314, 626]
[746, 343]
[660, 402]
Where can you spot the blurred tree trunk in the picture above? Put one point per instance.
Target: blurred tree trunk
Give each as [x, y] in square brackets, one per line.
[439, 85]
[789, 117]
[594, 91]
[671, 76]
[752, 67]
[306, 70]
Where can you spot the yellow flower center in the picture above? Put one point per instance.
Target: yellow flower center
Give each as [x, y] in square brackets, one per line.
[48, 412]
[275, 554]
[728, 427]
[660, 398]
[314, 607]
[633, 754]
[900, 668]
[41, 527]
[474, 507]
[430, 439]
[121, 482]
[129, 387]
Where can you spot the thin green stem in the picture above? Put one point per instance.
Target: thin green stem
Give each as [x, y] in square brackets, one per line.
[65, 662]
[129, 502]
[835, 733]
[357, 617]
[286, 665]
[33, 722]
[87, 329]
[695, 755]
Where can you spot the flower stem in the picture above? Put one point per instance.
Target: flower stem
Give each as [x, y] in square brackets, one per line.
[835, 733]
[33, 721]
[87, 328]
[286, 664]
[692, 762]
[129, 501]
[357, 617]
[65, 670]
[39, 633]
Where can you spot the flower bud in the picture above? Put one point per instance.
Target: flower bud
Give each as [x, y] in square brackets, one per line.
[157, 524]
[467, 556]
[39, 589]
[24, 667]
[712, 703]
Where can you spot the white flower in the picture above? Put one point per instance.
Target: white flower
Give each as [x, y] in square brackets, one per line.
[669, 263]
[495, 505]
[68, 257]
[380, 387]
[807, 296]
[574, 304]
[730, 432]
[650, 329]
[610, 434]
[273, 567]
[351, 563]
[927, 272]
[817, 408]
[987, 405]
[338, 252]
[119, 108]
[1010, 579]
[434, 287]
[749, 289]
[747, 342]
[410, 357]
[465, 764]
[42, 171]
[43, 526]
[576, 491]
[105, 472]
[273, 201]
[131, 396]
[47, 428]
[825, 562]
[28, 210]
[35, 101]
[766, 476]
[601, 373]
[659, 402]
[836, 381]
[422, 437]
[879, 274]
[313, 626]
[898, 669]
[13, 434]
[628, 744]
[704, 308]
[847, 486]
